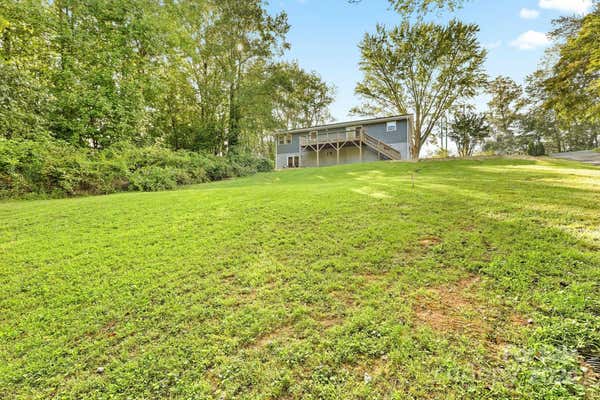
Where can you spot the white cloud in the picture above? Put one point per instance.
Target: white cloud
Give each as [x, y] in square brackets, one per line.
[527, 13]
[530, 40]
[570, 6]
[493, 45]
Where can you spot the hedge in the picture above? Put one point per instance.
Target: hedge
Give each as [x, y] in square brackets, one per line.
[53, 168]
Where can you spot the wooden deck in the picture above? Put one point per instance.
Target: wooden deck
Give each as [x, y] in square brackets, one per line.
[337, 140]
[330, 138]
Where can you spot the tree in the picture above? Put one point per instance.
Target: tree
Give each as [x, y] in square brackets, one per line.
[539, 122]
[421, 69]
[424, 6]
[300, 98]
[421, 7]
[467, 130]
[24, 62]
[505, 109]
[190, 74]
[573, 87]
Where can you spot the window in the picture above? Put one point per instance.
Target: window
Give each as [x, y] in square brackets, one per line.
[313, 135]
[285, 139]
[293, 161]
[390, 126]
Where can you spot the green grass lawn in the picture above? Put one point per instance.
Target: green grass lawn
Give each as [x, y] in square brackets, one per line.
[475, 279]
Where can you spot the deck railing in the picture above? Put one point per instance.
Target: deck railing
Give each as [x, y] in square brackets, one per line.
[334, 137]
[382, 147]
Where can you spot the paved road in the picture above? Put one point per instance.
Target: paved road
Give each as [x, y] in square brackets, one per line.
[587, 156]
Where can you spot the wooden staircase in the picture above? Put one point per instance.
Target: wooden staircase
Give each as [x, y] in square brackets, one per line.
[381, 147]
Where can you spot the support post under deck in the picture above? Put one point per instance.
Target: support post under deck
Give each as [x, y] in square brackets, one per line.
[317, 148]
[360, 143]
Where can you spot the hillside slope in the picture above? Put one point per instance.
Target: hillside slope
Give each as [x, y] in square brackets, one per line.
[457, 279]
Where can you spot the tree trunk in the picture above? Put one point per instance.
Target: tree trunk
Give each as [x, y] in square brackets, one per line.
[233, 134]
[415, 148]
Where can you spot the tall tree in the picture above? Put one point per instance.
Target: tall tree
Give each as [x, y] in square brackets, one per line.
[106, 55]
[193, 74]
[242, 34]
[24, 63]
[421, 69]
[300, 98]
[505, 108]
[538, 121]
[573, 89]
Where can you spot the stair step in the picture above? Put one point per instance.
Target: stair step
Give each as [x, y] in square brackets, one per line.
[381, 147]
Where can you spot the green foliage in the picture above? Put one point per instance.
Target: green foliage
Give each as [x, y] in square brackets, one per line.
[201, 75]
[423, 69]
[467, 130]
[480, 281]
[574, 87]
[301, 99]
[546, 372]
[421, 7]
[56, 168]
[505, 107]
[536, 149]
[542, 122]
[154, 178]
[563, 95]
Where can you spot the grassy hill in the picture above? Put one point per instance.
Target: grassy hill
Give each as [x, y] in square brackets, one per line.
[457, 279]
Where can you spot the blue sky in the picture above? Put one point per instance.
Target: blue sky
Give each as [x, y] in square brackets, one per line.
[324, 35]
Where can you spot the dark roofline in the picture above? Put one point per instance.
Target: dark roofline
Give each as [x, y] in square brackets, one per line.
[346, 124]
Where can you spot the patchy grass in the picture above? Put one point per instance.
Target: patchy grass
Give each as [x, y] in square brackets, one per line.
[475, 279]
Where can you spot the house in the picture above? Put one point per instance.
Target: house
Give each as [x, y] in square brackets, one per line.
[344, 143]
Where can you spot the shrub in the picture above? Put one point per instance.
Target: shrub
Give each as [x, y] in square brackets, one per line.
[153, 178]
[536, 149]
[249, 162]
[56, 168]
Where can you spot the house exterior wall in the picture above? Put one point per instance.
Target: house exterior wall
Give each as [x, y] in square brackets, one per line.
[282, 159]
[348, 155]
[397, 139]
[293, 147]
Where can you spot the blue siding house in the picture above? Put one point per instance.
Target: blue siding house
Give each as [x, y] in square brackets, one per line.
[344, 143]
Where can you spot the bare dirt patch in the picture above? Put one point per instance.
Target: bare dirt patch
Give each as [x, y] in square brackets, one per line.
[429, 241]
[270, 337]
[347, 298]
[331, 320]
[456, 309]
[449, 308]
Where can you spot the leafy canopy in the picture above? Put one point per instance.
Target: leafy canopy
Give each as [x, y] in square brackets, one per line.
[467, 130]
[423, 69]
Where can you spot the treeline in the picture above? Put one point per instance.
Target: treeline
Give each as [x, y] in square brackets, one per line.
[435, 71]
[197, 75]
[558, 108]
[191, 74]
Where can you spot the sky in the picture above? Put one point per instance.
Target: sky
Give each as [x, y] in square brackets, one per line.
[324, 35]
